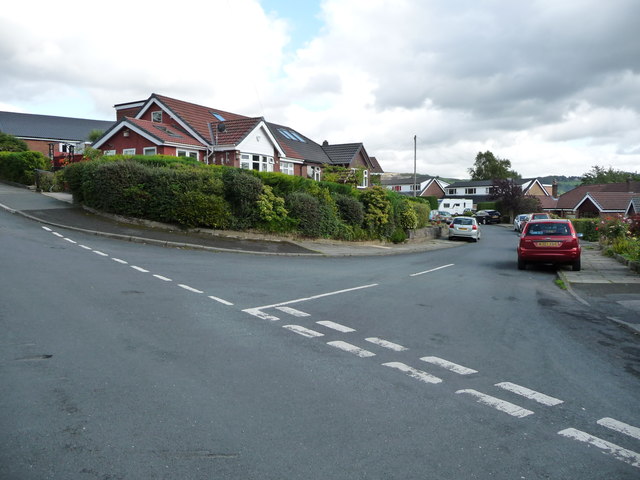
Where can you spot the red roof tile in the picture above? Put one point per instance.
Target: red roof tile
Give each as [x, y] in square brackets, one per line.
[610, 201]
[166, 133]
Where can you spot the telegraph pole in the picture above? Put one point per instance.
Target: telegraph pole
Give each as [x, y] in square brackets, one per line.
[415, 175]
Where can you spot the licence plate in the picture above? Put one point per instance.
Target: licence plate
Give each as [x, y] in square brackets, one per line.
[463, 228]
[548, 244]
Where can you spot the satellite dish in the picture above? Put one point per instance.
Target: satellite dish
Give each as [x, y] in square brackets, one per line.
[222, 127]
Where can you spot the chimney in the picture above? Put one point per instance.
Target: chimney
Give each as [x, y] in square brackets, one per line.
[554, 189]
[325, 144]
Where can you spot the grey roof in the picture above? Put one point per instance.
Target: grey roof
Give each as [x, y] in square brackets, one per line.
[48, 127]
[403, 179]
[342, 153]
[306, 149]
[471, 183]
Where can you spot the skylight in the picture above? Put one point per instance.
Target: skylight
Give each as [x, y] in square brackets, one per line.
[219, 117]
[291, 135]
[167, 131]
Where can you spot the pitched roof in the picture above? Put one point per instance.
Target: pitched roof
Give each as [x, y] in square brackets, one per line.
[48, 127]
[634, 204]
[234, 130]
[403, 178]
[162, 132]
[569, 200]
[298, 146]
[342, 153]
[608, 201]
[375, 165]
[471, 183]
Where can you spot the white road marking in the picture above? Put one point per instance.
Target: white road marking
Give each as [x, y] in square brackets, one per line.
[454, 367]
[164, 279]
[347, 347]
[58, 234]
[70, 241]
[47, 229]
[256, 312]
[413, 372]
[530, 394]
[140, 269]
[102, 254]
[502, 405]
[293, 311]
[85, 247]
[298, 300]
[305, 332]
[220, 300]
[621, 427]
[335, 326]
[627, 456]
[386, 344]
[118, 260]
[432, 270]
[191, 289]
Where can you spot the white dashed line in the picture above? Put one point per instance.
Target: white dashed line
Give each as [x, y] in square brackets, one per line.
[85, 247]
[164, 279]
[501, 405]
[305, 332]
[70, 241]
[454, 367]
[335, 326]
[414, 372]
[224, 302]
[119, 261]
[293, 311]
[58, 234]
[139, 269]
[102, 254]
[256, 312]
[432, 270]
[47, 229]
[627, 456]
[347, 347]
[383, 343]
[621, 427]
[530, 394]
[191, 289]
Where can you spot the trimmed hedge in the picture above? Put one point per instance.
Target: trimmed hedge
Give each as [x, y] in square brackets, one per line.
[20, 167]
[588, 227]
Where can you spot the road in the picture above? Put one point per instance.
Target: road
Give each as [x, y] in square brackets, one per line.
[122, 360]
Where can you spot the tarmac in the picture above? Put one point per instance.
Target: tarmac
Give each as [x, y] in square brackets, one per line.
[600, 275]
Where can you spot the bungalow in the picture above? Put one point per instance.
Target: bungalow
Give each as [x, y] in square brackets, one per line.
[164, 125]
[586, 200]
[633, 208]
[53, 136]
[408, 184]
[482, 191]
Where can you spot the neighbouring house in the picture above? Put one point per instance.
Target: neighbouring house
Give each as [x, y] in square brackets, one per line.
[53, 136]
[482, 191]
[597, 200]
[164, 125]
[408, 184]
[634, 207]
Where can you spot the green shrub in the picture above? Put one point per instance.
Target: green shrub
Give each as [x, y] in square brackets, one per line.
[399, 235]
[377, 212]
[242, 190]
[305, 208]
[433, 201]
[198, 209]
[20, 167]
[488, 206]
[351, 211]
[272, 212]
[588, 227]
[405, 216]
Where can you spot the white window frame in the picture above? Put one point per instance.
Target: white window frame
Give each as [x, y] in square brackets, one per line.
[150, 151]
[182, 152]
[452, 191]
[287, 168]
[128, 151]
[245, 161]
[156, 116]
[470, 191]
[109, 152]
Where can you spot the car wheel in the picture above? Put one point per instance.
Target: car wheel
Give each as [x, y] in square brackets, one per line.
[575, 266]
[522, 265]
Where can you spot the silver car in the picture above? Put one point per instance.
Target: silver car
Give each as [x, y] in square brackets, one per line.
[464, 227]
[519, 222]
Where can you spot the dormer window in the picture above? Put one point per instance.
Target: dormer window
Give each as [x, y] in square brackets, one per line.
[156, 116]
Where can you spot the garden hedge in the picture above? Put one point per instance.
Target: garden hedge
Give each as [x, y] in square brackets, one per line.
[20, 167]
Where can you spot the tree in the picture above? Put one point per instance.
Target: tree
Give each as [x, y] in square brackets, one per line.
[94, 135]
[598, 174]
[513, 200]
[489, 167]
[9, 143]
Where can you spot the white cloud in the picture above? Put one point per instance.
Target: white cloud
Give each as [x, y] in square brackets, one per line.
[553, 86]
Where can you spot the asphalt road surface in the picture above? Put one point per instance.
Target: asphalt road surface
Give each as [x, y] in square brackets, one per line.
[130, 361]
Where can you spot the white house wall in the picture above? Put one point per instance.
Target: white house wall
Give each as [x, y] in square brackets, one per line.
[257, 142]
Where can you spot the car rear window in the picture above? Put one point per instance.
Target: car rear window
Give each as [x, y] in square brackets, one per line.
[548, 229]
[463, 221]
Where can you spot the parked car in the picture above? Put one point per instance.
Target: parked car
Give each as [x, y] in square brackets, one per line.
[464, 227]
[488, 216]
[535, 216]
[549, 241]
[440, 216]
[519, 222]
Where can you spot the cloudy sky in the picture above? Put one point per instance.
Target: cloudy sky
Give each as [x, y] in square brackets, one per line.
[552, 85]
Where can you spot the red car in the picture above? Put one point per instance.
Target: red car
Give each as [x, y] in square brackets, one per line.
[549, 241]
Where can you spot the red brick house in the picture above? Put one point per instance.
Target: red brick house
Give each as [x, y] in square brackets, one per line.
[164, 125]
[597, 199]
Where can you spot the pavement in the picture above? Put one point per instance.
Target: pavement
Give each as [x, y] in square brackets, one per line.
[601, 277]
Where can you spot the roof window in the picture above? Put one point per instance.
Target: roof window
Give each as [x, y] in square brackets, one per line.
[219, 117]
[291, 135]
[167, 131]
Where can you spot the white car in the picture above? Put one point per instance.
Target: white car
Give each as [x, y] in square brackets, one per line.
[464, 227]
[519, 222]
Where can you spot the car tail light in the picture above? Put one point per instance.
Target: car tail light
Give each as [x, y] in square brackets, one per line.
[475, 227]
